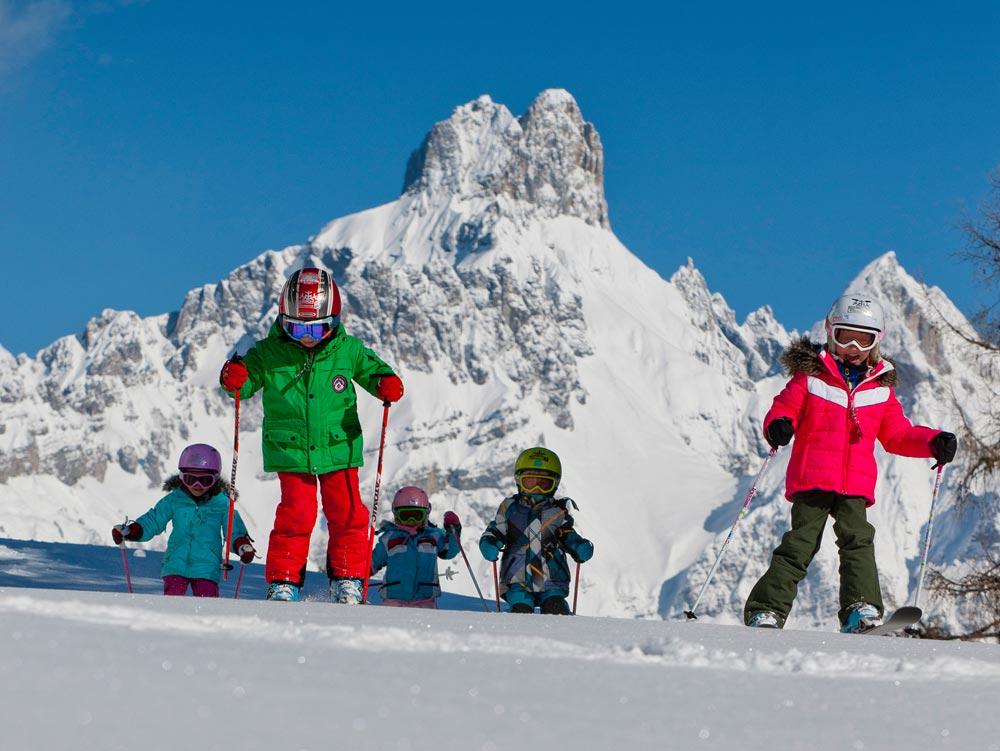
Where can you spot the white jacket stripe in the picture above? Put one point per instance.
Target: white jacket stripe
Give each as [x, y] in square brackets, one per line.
[878, 395]
[825, 391]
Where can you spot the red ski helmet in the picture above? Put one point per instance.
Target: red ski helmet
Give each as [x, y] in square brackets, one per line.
[200, 457]
[309, 293]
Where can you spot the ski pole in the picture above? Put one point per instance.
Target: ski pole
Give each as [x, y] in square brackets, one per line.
[743, 511]
[927, 538]
[236, 594]
[378, 483]
[576, 586]
[469, 566]
[128, 578]
[121, 546]
[226, 566]
[496, 584]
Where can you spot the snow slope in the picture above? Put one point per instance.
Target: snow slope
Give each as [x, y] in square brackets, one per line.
[100, 670]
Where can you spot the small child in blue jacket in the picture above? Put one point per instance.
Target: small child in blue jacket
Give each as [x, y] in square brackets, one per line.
[409, 547]
[197, 506]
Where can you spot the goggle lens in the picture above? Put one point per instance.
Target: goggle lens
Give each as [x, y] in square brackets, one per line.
[203, 481]
[536, 483]
[863, 339]
[318, 329]
[411, 516]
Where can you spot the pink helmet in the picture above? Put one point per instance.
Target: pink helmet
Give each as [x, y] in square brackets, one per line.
[309, 293]
[200, 456]
[410, 497]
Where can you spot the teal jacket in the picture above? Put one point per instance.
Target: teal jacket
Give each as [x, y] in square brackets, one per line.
[310, 404]
[198, 529]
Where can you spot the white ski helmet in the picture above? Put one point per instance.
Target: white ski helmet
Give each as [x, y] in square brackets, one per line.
[856, 319]
[856, 309]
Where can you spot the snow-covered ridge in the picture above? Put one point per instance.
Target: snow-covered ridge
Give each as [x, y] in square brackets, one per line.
[86, 659]
[515, 317]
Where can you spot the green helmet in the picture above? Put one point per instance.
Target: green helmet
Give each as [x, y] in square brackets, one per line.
[538, 461]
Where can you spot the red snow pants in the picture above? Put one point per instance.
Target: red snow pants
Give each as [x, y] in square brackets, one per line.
[346, 520]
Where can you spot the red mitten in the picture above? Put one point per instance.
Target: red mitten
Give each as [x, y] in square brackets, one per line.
[389, 389]
[234, 374]
[244, 549]
[130, 531]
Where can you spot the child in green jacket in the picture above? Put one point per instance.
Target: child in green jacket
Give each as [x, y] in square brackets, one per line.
[306, 369]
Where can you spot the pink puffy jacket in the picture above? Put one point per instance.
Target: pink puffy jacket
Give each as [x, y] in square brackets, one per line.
[835, 429]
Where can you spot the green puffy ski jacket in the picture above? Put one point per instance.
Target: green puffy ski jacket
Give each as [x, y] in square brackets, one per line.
[310, 404]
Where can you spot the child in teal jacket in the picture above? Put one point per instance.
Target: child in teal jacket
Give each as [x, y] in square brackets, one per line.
[197, 507]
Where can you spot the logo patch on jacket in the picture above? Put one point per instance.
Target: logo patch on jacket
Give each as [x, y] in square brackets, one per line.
[339, 383]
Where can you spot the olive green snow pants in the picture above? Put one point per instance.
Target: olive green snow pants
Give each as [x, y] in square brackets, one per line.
[776, 589]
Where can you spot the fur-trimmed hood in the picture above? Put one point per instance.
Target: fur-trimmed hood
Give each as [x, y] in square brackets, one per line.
[803, 357]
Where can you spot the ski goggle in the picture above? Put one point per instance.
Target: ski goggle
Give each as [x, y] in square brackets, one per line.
[200, 480]
[411, 516]
[863, 339]
[536, 482]
[316, 329]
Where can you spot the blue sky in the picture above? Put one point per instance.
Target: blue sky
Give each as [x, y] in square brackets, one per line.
[147, 148]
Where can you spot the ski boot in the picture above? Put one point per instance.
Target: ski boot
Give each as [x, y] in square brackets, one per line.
[283, 592]
[554, 606]
[346, 590]
[763, 619]
[862, 617]
[521, 607]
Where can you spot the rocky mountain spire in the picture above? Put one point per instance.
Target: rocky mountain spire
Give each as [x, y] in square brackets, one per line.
[549, 158]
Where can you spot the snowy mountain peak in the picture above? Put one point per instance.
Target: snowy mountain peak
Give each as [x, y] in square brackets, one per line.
[496, 290]
[549, 158]
[915, 314]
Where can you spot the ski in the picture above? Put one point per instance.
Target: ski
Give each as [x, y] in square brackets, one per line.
[905, 616]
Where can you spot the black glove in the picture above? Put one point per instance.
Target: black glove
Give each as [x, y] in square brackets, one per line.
[943, 446]
[779, 432]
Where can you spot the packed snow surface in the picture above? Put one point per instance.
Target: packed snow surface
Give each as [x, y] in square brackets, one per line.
[86, 669]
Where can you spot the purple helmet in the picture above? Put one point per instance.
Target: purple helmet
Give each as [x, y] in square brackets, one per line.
[200, 456]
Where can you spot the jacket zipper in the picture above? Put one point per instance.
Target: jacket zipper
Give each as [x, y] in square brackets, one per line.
[305, 374]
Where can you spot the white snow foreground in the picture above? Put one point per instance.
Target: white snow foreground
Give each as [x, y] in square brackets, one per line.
[83, 669]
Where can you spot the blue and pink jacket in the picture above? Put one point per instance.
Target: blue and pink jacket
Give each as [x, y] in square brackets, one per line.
[410, 559]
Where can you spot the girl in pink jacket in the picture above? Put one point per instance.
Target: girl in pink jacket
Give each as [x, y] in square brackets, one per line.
[839, 400]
